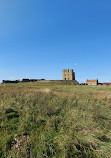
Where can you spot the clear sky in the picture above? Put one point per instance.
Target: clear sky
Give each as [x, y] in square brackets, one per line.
[39, 38]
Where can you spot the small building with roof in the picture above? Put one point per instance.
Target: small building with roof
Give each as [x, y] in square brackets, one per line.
[107, 83]
[92, 82]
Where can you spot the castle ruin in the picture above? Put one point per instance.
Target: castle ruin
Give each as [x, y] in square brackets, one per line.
[68, 75]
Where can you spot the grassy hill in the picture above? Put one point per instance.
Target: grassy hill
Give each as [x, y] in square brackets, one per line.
[55, 120]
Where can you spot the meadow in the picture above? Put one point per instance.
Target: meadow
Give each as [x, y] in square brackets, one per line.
[55, 120]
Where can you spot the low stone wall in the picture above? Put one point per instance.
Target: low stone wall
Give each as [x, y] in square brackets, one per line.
[73, 81]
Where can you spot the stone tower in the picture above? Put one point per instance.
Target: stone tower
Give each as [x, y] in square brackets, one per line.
[68, 75]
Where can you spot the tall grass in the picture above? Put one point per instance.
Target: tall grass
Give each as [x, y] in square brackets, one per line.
[55, 121]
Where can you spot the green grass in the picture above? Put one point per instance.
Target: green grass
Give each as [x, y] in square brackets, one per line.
[57, 120]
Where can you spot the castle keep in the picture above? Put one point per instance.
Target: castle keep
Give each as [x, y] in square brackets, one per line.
[68, 75]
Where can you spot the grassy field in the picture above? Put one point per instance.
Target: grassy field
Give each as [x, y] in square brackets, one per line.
[55, 120]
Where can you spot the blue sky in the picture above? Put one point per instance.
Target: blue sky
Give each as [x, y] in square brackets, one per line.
[39, 38]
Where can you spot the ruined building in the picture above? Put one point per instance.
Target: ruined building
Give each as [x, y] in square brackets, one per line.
[68, 75]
